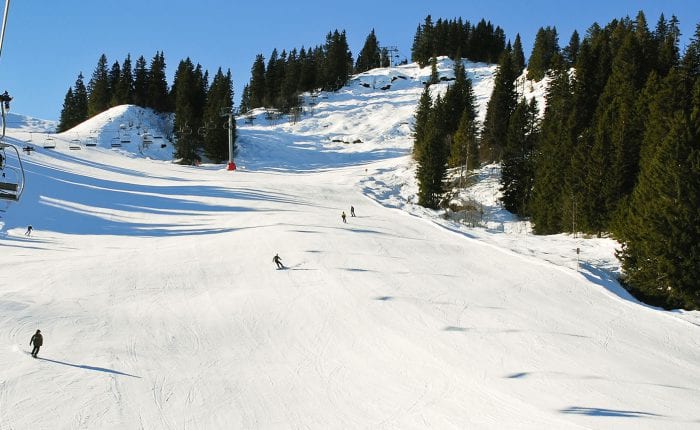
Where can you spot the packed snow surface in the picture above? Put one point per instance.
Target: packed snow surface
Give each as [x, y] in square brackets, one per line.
[154, 287]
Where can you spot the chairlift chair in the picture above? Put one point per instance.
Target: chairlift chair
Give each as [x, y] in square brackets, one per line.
[49, 143]
[74, 145]
[91, 142]
[116, 143]
[11, 177]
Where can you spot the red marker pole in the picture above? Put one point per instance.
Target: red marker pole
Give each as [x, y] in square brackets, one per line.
[231, 165]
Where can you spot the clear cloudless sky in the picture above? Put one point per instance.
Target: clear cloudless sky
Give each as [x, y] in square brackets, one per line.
[47, 43]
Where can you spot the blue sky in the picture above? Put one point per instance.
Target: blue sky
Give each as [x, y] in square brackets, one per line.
[48, 43]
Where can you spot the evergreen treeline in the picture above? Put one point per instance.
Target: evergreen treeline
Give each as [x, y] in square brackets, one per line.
[618, 152]
[116, 85]
[457, 39]
[286, 75]
[197, 104]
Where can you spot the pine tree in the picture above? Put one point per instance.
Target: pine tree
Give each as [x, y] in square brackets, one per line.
[80, 101]
[290, 84]
[141, 82]
[614, 156]
[369, 57]
[570, 53]
[464, 150]
[98, 88]
[271, 79]
[420, 126]
[185, 88]
[546, 45]
[338, 61]
[115, 74]
[257, 83]
[124, 91]
[307, 71]
[458, 98]
[219, 98]
[432, 164]
[74, 109]
[423, 48]
[518, 56]
[498, 110]
[66, 120]
[667, 35]
[517, 168]
[552, 156]
[244, 107]
[157, 89]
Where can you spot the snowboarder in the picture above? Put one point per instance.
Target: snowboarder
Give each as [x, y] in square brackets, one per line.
[278, 261]
[37, 340]
[352, 210]
[29, 231]
[343, 217]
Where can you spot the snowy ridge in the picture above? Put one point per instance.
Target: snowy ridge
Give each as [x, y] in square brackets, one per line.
[160, 306]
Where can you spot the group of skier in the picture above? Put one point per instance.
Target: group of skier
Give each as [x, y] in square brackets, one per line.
[352, 214]
[278, 261]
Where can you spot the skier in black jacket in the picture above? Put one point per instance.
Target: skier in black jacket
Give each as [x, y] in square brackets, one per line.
[37, 340]
[278, 261]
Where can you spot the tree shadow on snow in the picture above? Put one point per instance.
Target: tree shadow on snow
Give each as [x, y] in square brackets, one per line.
[83, 366]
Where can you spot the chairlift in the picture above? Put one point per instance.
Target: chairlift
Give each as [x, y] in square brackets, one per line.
[116, 143]
[11, 176]
[74, 145]
[49, 142]
[146, 140]
[91, 142]
[125, 139]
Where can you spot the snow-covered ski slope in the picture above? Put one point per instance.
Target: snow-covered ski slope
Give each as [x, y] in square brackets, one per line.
[154, 287]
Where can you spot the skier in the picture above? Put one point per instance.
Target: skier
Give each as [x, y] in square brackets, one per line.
[37, 340]
[343, 217]
[278, 261]
[29, 231]
[352, 210]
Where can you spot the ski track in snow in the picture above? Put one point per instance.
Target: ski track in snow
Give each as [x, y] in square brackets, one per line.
[161, 308]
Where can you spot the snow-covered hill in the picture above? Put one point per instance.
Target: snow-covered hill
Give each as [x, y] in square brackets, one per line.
[161, 308]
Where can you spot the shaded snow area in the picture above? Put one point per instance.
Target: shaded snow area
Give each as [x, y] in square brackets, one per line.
[154, 287]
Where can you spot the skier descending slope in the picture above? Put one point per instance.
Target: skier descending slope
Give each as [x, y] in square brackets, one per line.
[37, 340]
[278, 261]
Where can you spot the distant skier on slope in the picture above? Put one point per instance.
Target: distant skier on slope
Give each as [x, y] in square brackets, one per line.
[352, 211]
[37, 340]
[278, 261]
[343, 217]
